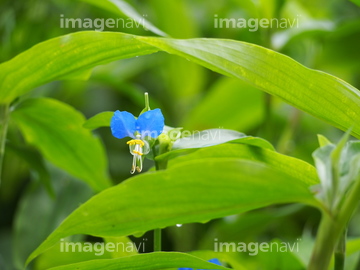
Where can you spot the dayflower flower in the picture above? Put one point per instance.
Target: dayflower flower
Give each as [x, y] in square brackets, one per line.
[215, 261]
[149, 124]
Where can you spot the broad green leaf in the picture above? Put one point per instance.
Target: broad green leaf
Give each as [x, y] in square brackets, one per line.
[312, 91]
[56, 129]
[122, 7]
[100, 120]
[148, 261]
[197, 191]
[63, 56]
[230, 104]
[288, 165]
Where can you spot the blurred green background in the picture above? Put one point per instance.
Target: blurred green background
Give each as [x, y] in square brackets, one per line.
[189, 95]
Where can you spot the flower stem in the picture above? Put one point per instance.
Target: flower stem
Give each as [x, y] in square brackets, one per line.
[331, 229]
[339, 254]
[157, 232]
[4, 121]
[157, 240]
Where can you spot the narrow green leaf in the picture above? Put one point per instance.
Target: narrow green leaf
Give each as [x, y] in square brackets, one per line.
[197, 191]
[206, 138]
[63, 56]
[228, 257]
[63, 253]
[100, 120]
[147, 261]
[323, 141]
[255, 141]
[312, 91]
[56, 129]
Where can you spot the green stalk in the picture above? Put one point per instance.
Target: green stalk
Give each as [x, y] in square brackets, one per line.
[157, 240]
[331, 229]
[163, 147]
[340, 250]
[4, 118]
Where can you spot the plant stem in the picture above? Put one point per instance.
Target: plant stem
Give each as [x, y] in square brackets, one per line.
[324, 244]
[4, 118]
[331, 228]
[157, 240]
[339, 254]
[157, 232]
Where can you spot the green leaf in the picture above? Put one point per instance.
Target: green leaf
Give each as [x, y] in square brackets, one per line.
[338, 167]
[323, 141]
[288, 165]
[206, 138]
[56, 129]
[197, 191]
[100, 120]
[63, 56]
[244, 140]
[58, 256]
[148, 261]
[228, 257]
[357, 2]
[312, 91]
[122, 7]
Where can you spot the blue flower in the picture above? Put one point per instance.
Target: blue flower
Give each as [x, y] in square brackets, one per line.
[215, 261]
[150, 124]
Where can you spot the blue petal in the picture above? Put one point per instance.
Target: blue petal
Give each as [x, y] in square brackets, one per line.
[215, 261]
[150, 123]
[122, 125]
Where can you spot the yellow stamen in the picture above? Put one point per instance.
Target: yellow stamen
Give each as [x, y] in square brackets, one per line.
[137, 152]
[133, 142]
